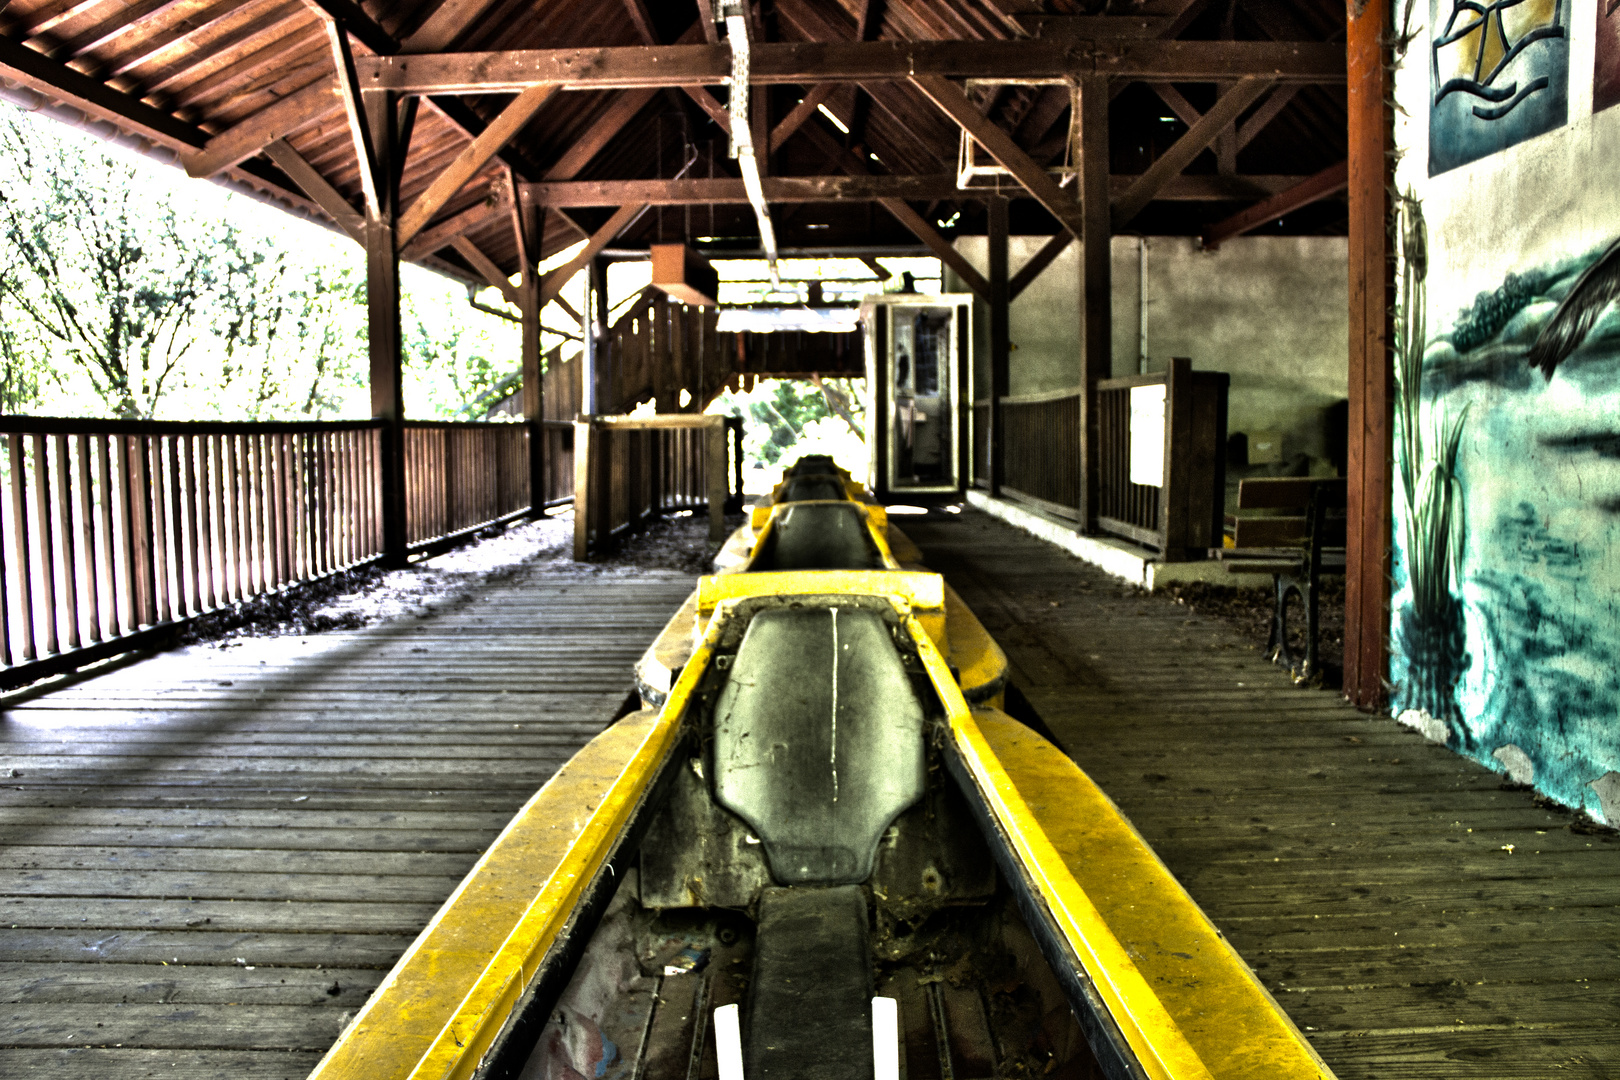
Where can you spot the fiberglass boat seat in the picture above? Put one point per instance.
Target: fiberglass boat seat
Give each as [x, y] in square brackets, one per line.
[818, 747]
[819, 536]
[813, 486]
[814, 464]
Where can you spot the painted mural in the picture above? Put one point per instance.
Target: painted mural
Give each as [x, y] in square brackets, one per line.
[1498, 74]
[1606, 71]
[1507, 611]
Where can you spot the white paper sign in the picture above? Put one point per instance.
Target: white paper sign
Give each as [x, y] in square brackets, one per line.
[1147, 435]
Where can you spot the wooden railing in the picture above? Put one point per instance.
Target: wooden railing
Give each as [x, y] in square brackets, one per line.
[1042, 447]
[112, 529]
[1181, 515]
[629, 470]
[460, 477]
[559, 473]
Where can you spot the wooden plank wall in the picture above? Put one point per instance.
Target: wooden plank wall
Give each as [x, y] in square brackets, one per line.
[1415, 918]
[212, 857]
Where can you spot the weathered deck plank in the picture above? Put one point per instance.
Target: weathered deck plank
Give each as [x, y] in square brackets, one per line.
[1362, 871]
[210, 858]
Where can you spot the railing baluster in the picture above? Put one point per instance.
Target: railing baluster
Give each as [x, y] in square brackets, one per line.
[135, 517]
[246, 516]
[280, 452]
[47, 546]
[209, 468]
[70, 567]
[221, 567]
[259, 489]
[185, 478]
[19, 526]
[160, 466]
[87, 535]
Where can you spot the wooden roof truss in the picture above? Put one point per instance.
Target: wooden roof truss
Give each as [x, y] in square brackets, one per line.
[489, 134]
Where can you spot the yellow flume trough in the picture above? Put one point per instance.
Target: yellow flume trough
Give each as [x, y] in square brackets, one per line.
[1156, 989]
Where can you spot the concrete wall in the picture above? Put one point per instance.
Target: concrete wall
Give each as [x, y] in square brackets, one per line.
[1270, 311]
[1514, 660]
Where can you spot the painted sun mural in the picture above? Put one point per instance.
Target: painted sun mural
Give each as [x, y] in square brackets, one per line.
[1499, 74]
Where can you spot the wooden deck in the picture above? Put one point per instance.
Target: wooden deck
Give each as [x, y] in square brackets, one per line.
[212, 857]
[1414, 917]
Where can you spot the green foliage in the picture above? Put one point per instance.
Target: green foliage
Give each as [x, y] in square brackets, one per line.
[783, 414]
[1430, 627]
[1492, 310]
[128, 290]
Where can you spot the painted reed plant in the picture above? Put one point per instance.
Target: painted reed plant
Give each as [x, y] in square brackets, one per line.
[1431, 630]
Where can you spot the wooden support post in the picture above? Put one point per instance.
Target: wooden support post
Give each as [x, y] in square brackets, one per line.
[1178, 406]
[1000, 339]
[719, 475]
[528, 221]
[383, 328]
[1096, 286]
[598, 354]
[1372, 295]
[534, 393]
[584, 504]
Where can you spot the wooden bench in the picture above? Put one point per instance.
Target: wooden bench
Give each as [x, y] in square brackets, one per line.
[1301, 538]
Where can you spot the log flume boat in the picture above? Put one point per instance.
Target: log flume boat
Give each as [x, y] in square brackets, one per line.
[822, 849]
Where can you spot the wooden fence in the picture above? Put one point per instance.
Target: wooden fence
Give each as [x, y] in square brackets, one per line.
[629, 470]
[460, 477]
[1042, 447]
[112, 532]
[1181, 516]
[113, 528]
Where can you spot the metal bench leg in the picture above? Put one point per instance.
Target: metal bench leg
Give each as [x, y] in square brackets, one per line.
[1308, 597]
[1277, 646]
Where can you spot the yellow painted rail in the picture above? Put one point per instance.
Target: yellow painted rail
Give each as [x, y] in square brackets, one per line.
[1187, 1005]
[440, 1009]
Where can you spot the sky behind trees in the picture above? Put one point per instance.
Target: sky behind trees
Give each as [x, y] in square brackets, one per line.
[130, 290]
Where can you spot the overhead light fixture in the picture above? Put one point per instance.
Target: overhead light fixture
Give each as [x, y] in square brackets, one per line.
[735, 14]
[837, 123]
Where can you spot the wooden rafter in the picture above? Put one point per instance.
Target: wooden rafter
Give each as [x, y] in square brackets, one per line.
[1184, 110]
[238, 143]
[709, 104]
[940, 246]
[486, 268]
[96, 98]
[1197, 138]
[477, 154]
[861, 187]
[443, 233]
[902, 212]
[848, 61]
[1330, 181]
[803, 111]
[359, 127]
[601, 238]
[729, 190]
[1000, 145]
[320, 98]
[353, 18]
[1037, 262]
[641, 18]
[326, 196]
[1268, 111]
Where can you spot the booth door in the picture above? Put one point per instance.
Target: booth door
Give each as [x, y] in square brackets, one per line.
[922, 373]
